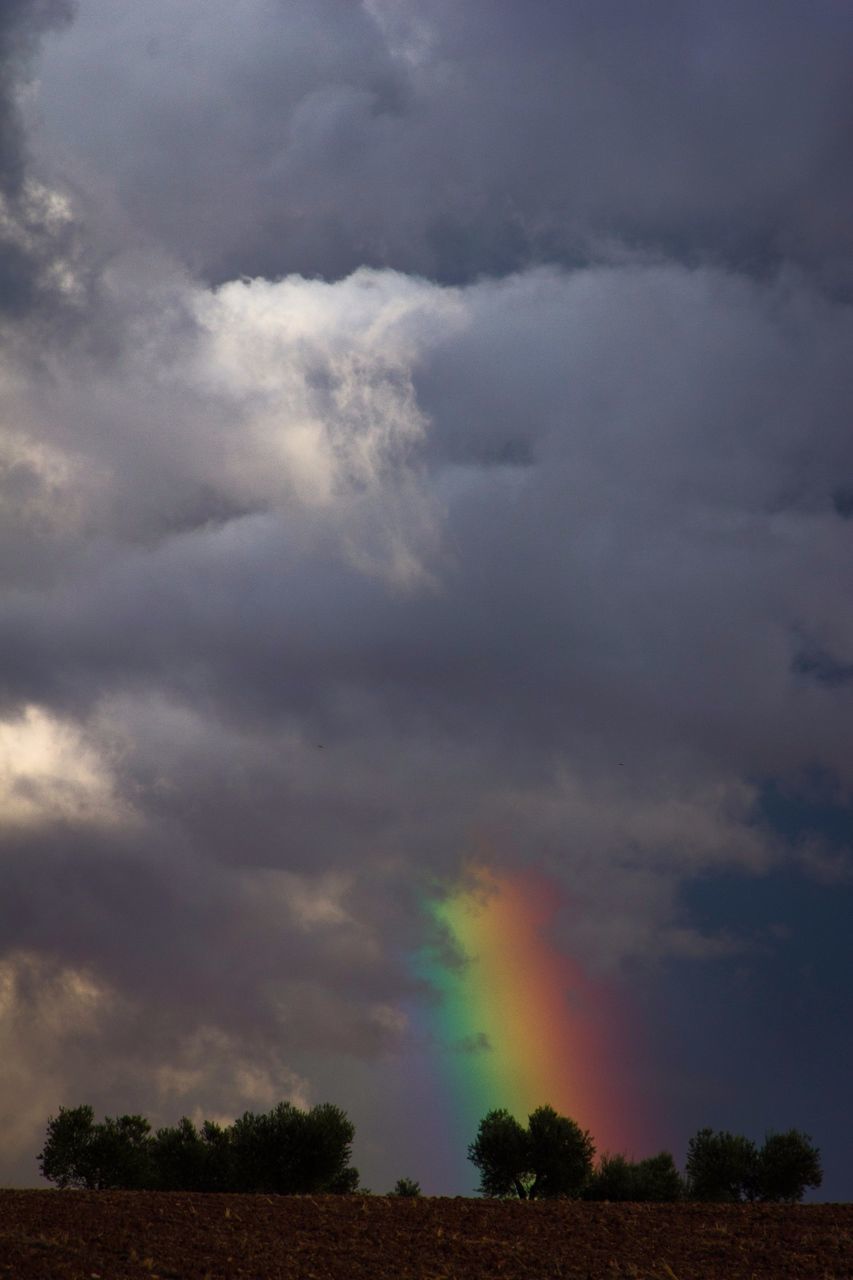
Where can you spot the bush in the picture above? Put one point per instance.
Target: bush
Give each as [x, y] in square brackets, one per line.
[620, 1179]
[613, 1180]
[406, 1187]
[658, 1180]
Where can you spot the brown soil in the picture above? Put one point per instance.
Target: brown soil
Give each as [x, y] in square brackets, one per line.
[125, 1235]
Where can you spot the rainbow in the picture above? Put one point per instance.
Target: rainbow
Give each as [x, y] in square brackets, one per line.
[518, 1024]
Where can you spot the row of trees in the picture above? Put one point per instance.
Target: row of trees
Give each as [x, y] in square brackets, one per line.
[288, 1151]
[285, 1151]
[553, 1156]
[728, 1167]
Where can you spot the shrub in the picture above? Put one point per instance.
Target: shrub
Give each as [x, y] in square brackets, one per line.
[406, 1187]
[620, 1179]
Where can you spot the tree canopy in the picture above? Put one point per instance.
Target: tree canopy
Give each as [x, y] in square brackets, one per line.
[619, 1179]
[289, 1151]
[551, 1157]
[788, 1164]
[285, 1151]
[727, 1167]
[107, 1156]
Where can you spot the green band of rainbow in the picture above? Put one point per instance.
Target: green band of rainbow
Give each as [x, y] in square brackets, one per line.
[517, 1023]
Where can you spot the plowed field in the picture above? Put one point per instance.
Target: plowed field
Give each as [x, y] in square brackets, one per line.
[79, 1235]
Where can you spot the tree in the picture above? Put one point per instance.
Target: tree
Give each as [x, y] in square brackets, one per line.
[561, 1154]
[256, 1160]
[218, 1157]
[657, 1179]
[66, 1157]
[406, 1187]
[178, 1158]
[347, 1183]
[551, 1157]
[613, 1180]
[787, 1164]
[721, 1167]
[327, 1136]
[293, 1152]
[121, 1153]
[284, 1151]
[501, 1153]
[79, 1153]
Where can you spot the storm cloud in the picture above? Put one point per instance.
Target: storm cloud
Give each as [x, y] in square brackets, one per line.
[35, 238]
[439, 450]
[457, 141]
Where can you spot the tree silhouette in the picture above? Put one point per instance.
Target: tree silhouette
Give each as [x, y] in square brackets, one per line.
[552, 1157]
[787, 1164]
[728, 1167]
[501, 1153]
[620, 1179]
[179, 1158]
[67, 1155]
[79, 1153]
[285, 1151]
[406, 1187]
[721, 1167]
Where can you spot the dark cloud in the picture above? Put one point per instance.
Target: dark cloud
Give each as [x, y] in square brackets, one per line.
[823, 668]
[29, 218]
[21, 24]
[842, 501]
[527, 549]
[455, 142]
[246, 951]
[648, 565]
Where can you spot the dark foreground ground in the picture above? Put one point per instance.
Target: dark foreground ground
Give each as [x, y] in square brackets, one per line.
[121, 1235]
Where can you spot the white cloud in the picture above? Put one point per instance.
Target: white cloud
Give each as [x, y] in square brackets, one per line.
[50, 773]
[324, 414]
[209, 1064]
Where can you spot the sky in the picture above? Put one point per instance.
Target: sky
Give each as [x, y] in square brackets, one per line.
[425, 445]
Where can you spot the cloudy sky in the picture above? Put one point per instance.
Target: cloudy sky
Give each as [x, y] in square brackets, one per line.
[425, 437]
